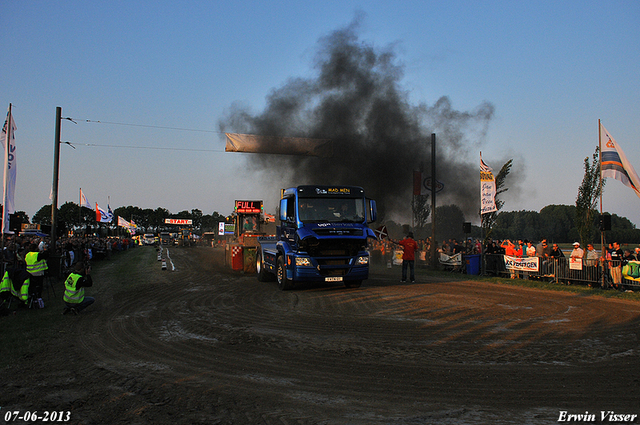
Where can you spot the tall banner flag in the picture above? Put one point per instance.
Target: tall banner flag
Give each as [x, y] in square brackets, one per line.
[615, 164]
[9, 146]
[487, 188]
[84, 202]
[103, 216]
[418, 187]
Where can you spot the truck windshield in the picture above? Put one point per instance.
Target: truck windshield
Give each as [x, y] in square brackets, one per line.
[344, 210]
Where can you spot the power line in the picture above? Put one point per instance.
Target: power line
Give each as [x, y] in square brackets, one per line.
[147, 126]
[92, 145]
[75, 121]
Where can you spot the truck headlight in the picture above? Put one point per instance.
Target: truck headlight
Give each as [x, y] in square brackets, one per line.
[362, 261]
[303, 262]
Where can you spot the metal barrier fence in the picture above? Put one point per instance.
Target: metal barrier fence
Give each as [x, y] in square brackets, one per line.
[593, 273]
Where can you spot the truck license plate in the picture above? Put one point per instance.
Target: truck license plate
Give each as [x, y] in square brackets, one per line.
[333, 279]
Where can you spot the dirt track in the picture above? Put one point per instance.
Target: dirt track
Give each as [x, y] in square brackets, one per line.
[203, 345]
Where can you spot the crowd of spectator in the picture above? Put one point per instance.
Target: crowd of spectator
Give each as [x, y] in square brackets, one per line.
[553, 262]
[28, 260]
[578, 264]
[525, 248]
[69, 249]
[387, 250]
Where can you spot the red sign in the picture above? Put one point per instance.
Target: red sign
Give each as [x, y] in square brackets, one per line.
[178, 221]
[249, 207]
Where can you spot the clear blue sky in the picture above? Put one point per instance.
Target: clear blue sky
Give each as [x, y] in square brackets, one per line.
[551, 69]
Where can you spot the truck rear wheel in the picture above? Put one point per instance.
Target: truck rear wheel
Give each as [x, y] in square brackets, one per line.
[281, 273]
[263, 274]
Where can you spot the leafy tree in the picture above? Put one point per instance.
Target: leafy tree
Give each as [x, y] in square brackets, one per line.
[421, 210]
[69, 213]
[196, 216]
[156, 218]
[557, 222]
[588, 194]
[43, 215]
[210, 222]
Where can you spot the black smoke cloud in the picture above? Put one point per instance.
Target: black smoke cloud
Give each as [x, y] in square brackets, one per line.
[379, 138]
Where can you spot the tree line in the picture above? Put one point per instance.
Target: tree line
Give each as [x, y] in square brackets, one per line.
[556, 223]
[73, 217]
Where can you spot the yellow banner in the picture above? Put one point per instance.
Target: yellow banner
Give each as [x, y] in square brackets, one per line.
[252, 143]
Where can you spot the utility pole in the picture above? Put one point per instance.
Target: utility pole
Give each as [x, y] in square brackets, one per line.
[434, 260]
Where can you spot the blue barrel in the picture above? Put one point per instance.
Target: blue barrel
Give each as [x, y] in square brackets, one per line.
[473, 264]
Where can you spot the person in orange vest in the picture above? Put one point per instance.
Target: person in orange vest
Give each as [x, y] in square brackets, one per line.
[512, 250]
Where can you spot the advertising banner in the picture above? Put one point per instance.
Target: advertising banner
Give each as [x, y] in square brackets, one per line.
[575, 263]
[526, 264]
[451, 260]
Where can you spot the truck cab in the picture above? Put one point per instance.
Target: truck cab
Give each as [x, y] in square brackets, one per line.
[323, 236]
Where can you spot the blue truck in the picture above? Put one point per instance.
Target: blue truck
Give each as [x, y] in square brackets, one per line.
[322, 237]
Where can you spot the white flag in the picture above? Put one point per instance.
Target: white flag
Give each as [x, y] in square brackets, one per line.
[615, 163]
[487, 188]
[84, 202]
[9, 146]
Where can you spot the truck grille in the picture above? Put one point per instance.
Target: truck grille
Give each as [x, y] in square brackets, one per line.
[340, 232]
[333, 256]
[333, 267]
[336, 248]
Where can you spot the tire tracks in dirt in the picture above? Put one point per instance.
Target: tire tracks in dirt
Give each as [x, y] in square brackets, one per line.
[384, 353]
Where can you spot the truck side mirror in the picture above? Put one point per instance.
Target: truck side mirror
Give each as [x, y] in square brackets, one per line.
[283, 209]
[373, 212]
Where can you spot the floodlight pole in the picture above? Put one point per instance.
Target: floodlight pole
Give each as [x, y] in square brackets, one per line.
[54, 189]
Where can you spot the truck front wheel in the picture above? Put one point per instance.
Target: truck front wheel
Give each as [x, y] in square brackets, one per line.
[283, 283]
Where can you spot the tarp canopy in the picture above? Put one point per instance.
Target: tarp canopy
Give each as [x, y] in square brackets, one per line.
[252, 143]
[37, 233]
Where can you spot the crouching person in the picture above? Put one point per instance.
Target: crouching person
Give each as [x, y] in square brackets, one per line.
[74, 298]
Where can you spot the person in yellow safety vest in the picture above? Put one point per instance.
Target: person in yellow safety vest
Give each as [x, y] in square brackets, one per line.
[74, 298]
[36, 266]
[17, 283]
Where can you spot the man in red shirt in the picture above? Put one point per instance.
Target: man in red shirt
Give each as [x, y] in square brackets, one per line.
[408, 256]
